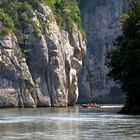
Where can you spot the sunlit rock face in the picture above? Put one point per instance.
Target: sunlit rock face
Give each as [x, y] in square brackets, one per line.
[40, 67]
[101, 22]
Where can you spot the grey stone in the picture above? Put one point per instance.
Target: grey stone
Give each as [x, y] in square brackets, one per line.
[43, 69]
[102, 24]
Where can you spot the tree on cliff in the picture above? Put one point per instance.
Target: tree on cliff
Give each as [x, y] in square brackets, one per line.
[124, 61]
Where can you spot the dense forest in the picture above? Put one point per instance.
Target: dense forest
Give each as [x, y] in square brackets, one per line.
[125, 59]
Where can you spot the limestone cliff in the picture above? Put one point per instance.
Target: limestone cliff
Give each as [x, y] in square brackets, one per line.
[39, 65]
[101, 22]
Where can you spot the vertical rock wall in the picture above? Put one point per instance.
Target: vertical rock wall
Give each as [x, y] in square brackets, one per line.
[39, 66]
[101, 22]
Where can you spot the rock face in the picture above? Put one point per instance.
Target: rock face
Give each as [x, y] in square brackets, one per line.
[101, 22]
[39, 67]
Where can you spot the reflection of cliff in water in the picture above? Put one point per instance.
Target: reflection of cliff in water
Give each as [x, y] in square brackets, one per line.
[101, 21]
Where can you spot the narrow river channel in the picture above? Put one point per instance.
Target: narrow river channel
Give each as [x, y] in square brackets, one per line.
[71, 123]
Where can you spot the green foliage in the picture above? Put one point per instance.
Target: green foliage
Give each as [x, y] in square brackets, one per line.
[15, 11]
[6, 23]
[66, 11]
[125, 59]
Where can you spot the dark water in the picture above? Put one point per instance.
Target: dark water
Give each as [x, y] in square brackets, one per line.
[74, 123]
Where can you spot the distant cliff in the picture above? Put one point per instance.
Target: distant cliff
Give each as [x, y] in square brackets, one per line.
[39, 59]
[101, 22]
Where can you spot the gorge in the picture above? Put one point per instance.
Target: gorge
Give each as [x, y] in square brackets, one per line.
[56, 79]
[40, 61]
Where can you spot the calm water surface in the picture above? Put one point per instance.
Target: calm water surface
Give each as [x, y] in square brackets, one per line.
[72, 123]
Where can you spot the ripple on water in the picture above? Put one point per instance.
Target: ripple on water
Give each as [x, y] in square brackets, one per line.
[68, 123]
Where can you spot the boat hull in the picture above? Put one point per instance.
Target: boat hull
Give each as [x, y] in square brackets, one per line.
[90, 105]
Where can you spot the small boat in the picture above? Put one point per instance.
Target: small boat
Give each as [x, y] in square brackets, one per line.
[91, 105]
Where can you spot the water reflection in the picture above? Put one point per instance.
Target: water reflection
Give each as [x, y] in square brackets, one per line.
[67, 123]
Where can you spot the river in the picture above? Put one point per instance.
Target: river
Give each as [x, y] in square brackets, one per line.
[71, 123]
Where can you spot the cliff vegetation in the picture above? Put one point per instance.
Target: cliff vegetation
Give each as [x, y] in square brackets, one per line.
[13, 12]
[41, 52]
